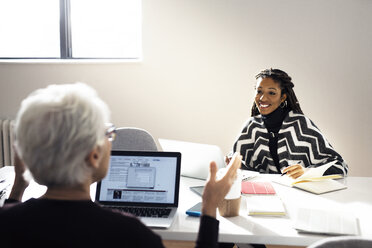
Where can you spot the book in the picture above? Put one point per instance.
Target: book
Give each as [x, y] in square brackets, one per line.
[265, 205]
[313, 181]
[257, 188]
[322, 221]
[261, 199]
[319, 186]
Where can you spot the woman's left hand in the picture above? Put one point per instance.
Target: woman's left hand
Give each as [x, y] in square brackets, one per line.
[294, 171]
[21, 180]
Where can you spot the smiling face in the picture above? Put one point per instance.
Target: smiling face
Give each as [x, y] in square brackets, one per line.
[268, 95]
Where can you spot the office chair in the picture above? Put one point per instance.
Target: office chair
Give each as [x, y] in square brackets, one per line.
[133, 139]
[342, 242]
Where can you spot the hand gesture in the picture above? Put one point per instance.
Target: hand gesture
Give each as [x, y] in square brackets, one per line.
[21, 181]
[216, 190]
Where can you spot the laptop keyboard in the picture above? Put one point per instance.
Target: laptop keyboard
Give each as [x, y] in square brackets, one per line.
[145, 212]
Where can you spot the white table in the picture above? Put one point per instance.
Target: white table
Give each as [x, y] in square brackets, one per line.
[275, 230]
[263, 229]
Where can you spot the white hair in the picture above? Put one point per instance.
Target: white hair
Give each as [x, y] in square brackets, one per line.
[56, 128]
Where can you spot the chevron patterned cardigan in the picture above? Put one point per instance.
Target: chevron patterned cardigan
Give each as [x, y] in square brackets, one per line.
[298, 140]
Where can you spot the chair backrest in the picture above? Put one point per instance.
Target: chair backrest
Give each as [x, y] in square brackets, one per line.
[342, 242]
[133, 139]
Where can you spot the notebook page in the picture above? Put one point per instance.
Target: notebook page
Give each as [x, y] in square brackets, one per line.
[316, 172]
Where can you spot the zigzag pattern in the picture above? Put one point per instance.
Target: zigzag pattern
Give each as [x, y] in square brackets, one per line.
[298, 139]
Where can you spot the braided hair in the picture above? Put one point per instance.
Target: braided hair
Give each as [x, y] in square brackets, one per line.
[286, 86]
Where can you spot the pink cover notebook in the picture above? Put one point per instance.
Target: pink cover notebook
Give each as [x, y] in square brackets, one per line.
[257, 188]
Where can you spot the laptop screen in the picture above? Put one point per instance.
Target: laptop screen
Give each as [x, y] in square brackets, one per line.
[141, 178]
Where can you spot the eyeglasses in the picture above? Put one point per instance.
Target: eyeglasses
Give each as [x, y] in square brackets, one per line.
[110, 131]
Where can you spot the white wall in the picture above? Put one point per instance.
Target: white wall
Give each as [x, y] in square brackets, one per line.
[200, 57]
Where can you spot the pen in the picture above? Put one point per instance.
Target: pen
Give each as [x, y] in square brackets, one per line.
[283, 173]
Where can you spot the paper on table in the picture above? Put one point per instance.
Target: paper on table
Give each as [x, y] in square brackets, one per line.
[326, 222]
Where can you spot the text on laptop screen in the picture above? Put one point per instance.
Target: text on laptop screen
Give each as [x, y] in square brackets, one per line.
[140, 179]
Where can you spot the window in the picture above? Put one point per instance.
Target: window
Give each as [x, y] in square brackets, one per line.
[70, 29]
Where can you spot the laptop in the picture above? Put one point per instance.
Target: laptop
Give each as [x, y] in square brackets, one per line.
[196, 157]
[143, 183]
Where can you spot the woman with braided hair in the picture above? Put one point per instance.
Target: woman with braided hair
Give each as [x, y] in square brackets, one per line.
[278, 137]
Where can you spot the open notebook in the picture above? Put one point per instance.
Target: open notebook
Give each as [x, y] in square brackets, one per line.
[143, 183]
[313, 181]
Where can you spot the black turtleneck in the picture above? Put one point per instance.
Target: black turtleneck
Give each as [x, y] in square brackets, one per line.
[273, 123]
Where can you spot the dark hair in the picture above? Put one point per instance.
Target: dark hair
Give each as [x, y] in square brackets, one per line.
[286, 86]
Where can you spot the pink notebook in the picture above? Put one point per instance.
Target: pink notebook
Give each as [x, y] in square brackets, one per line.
[257, 188]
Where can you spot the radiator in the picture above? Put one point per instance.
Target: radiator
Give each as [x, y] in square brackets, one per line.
[6, 142]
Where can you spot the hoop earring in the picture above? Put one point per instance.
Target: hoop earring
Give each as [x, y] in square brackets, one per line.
[283, 104]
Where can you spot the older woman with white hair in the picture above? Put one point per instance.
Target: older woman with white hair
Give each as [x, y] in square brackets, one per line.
[62, 138]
